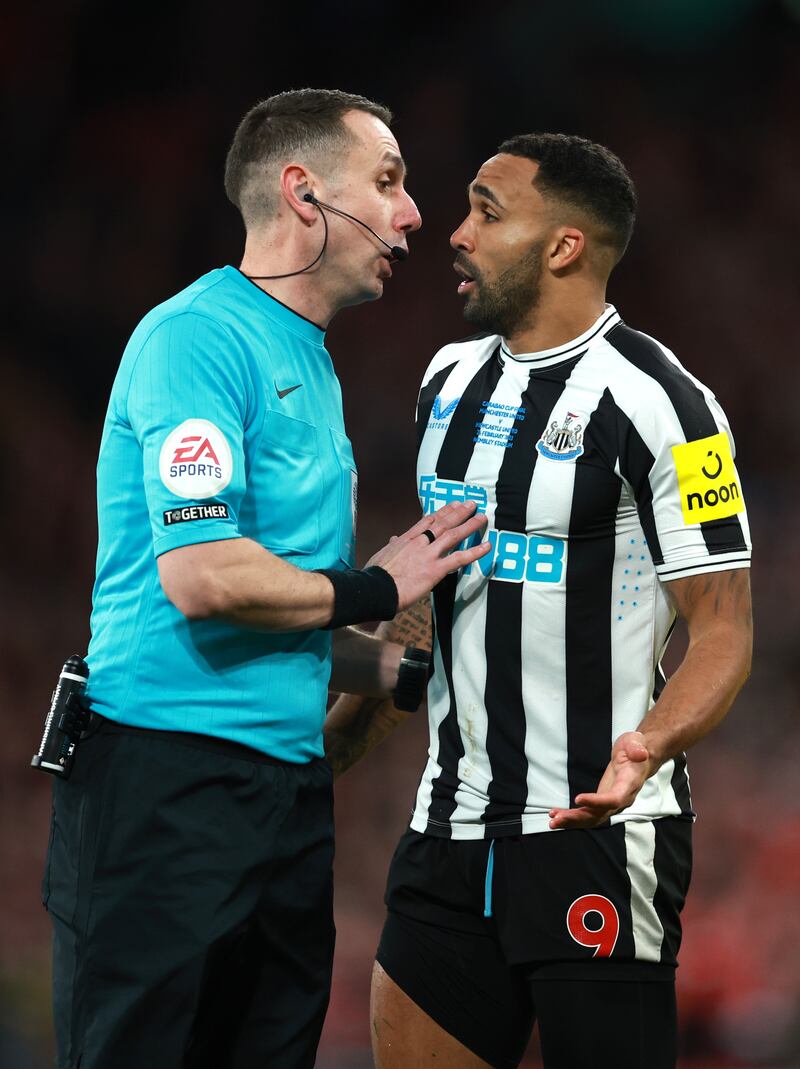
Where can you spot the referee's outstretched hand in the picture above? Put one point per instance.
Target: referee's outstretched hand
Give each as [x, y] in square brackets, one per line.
[622, 780]
[417, 562]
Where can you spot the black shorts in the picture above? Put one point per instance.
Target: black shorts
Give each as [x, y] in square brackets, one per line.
[480, 934]
[189, 885]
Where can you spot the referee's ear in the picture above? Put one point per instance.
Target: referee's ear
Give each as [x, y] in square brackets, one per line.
[296, 181]
[567, 247]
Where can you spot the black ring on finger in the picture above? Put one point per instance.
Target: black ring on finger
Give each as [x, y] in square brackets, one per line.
[429, 535]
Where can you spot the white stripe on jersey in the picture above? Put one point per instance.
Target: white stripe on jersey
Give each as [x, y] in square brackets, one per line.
[637, 587]
[543, 636]
[648, 932]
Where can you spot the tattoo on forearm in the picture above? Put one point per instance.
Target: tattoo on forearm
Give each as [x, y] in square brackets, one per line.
[369, 724]
[346, 744]
[355, 725]
[411, 627]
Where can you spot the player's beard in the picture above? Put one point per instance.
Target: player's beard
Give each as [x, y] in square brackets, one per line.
[503, 306]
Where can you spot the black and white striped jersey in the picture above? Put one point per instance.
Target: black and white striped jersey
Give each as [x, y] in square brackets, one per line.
[604, 469]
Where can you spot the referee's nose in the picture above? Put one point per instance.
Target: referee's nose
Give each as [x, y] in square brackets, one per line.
[407, 217]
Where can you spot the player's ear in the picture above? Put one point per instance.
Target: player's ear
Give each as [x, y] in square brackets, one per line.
[296, 181]
[568, 246]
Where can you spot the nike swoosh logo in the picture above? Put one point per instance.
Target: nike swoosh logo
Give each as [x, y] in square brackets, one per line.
[289, 389]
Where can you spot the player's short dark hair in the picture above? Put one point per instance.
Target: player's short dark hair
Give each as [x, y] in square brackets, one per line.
[584, 174]
[304, 123]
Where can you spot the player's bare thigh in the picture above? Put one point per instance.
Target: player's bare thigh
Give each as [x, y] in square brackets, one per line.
[404, 1036]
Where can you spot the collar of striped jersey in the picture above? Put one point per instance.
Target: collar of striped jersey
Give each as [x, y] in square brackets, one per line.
[601, 326]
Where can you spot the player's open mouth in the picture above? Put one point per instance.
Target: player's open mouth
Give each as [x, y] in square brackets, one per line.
[467, 281]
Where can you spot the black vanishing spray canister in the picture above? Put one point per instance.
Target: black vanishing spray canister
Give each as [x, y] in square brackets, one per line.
[66, 720]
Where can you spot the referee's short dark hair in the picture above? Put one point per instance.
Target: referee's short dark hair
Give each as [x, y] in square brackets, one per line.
[585, 175]
[306, 124]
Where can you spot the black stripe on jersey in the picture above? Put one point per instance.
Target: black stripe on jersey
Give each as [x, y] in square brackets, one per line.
[680, 779]
[696, 419]
[659, 679]
[453, 461]
[672, 862]
[590, 566]
[680, 786]
[659, 682]
[427, 395]
[505, 711]
[635, 463]
[451, 746]
[614, 850]
[457, 447]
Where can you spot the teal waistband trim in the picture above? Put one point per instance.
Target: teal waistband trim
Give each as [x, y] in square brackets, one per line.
[487, 895]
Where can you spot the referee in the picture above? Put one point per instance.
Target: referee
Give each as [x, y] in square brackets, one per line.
[549, 853]
[189, 870]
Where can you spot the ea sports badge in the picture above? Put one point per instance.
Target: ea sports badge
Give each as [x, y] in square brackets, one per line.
[195, 460]
[707, 479]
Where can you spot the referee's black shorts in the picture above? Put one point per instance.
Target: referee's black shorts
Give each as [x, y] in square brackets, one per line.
[189, 885]
[578, 930]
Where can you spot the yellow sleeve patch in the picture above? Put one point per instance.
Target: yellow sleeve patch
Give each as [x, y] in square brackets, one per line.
[707, 479]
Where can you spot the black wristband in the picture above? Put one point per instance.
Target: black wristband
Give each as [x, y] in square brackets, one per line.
[412, 679]
[360, 595]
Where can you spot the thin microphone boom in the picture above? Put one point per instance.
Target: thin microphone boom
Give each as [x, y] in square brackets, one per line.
[399, 254]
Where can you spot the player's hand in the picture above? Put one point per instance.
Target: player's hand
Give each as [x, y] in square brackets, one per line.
[622, 780]
[416, 564]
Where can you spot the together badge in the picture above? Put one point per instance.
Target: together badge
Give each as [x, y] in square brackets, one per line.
[707, 479]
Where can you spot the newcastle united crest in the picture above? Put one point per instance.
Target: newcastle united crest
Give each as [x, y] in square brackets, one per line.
[564, 442]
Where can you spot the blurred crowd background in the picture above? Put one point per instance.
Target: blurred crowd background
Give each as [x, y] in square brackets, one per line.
[116, 121]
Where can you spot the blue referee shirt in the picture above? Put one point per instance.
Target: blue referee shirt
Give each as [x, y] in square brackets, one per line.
[225, 421]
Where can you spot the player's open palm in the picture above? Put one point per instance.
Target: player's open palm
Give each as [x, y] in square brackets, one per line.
[426, 553]
[622, 780]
